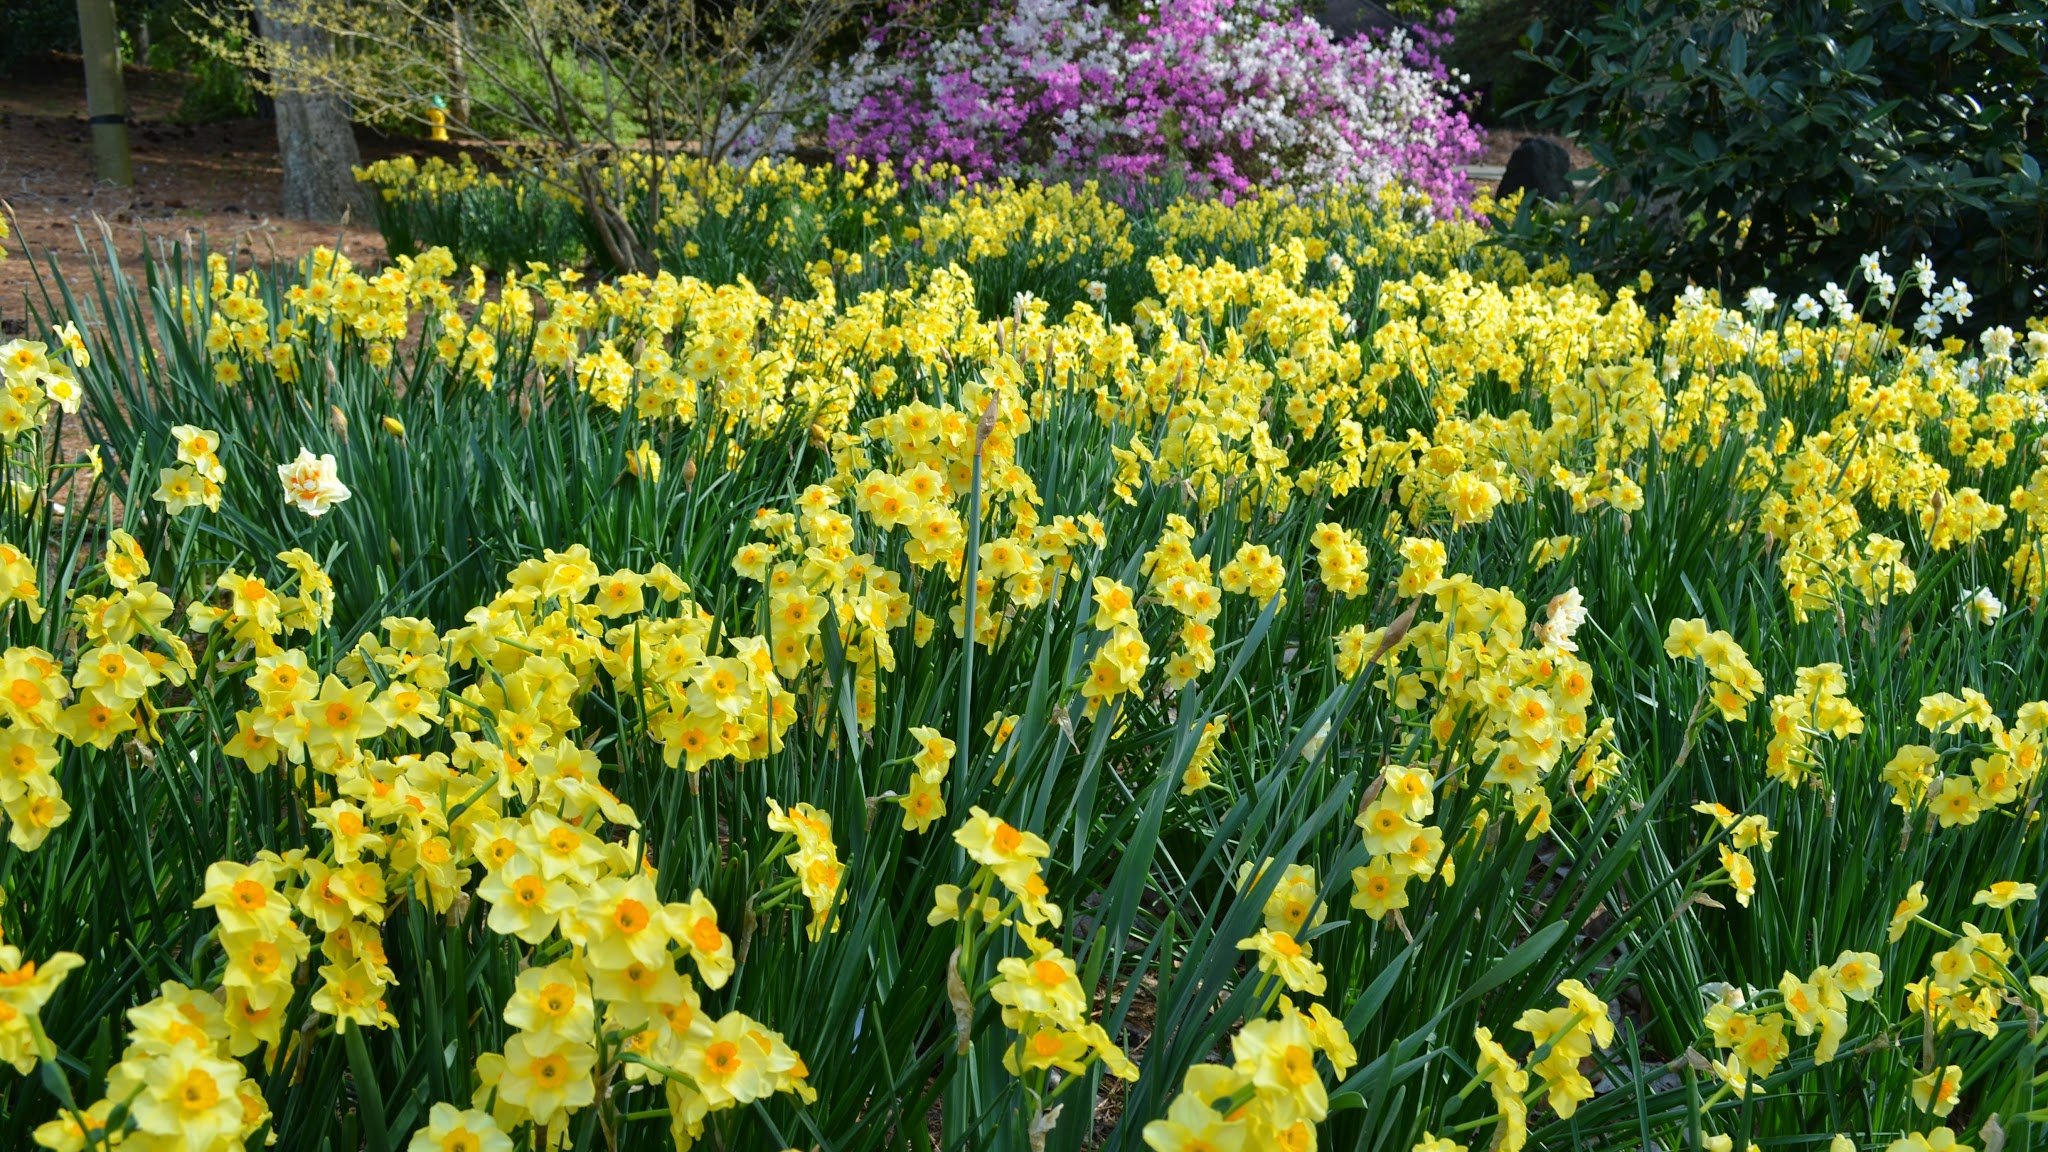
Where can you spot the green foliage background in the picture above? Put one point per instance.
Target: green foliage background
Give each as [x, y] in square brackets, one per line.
[1744, 143]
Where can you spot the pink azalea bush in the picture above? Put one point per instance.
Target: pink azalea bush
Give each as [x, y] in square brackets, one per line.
[1240, 92]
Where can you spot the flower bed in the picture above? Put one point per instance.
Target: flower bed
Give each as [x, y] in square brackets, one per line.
[1329, 685]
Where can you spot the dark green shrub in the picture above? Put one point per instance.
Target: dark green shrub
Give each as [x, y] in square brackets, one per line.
[219, 91]
[1745, 143]
[31, 27]
[1484, 46]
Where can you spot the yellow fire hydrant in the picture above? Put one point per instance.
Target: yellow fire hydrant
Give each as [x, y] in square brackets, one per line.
[437, 121]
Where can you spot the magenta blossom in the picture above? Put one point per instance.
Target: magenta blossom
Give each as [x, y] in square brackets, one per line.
[1232, 94]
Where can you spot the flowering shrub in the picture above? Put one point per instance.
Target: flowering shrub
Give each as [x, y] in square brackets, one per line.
[1241, 92]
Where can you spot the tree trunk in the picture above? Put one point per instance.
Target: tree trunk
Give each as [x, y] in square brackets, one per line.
[613, 230]
[106, 99]
[314, 140]
[459, 50]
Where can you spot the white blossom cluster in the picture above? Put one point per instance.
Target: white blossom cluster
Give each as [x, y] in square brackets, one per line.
[1383, 106]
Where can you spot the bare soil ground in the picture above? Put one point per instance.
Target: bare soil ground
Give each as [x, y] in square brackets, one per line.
[218, 181]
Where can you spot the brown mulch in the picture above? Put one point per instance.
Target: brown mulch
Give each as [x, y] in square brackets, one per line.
[219, 181]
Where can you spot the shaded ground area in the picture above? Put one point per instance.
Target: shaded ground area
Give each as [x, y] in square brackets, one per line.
[217, 181]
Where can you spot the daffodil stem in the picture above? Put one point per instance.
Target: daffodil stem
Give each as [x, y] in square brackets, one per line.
[971, 569]
[1693, 1135]
[1692, 728]
[967, 923]
[1935, 928]
[1472, 1125]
